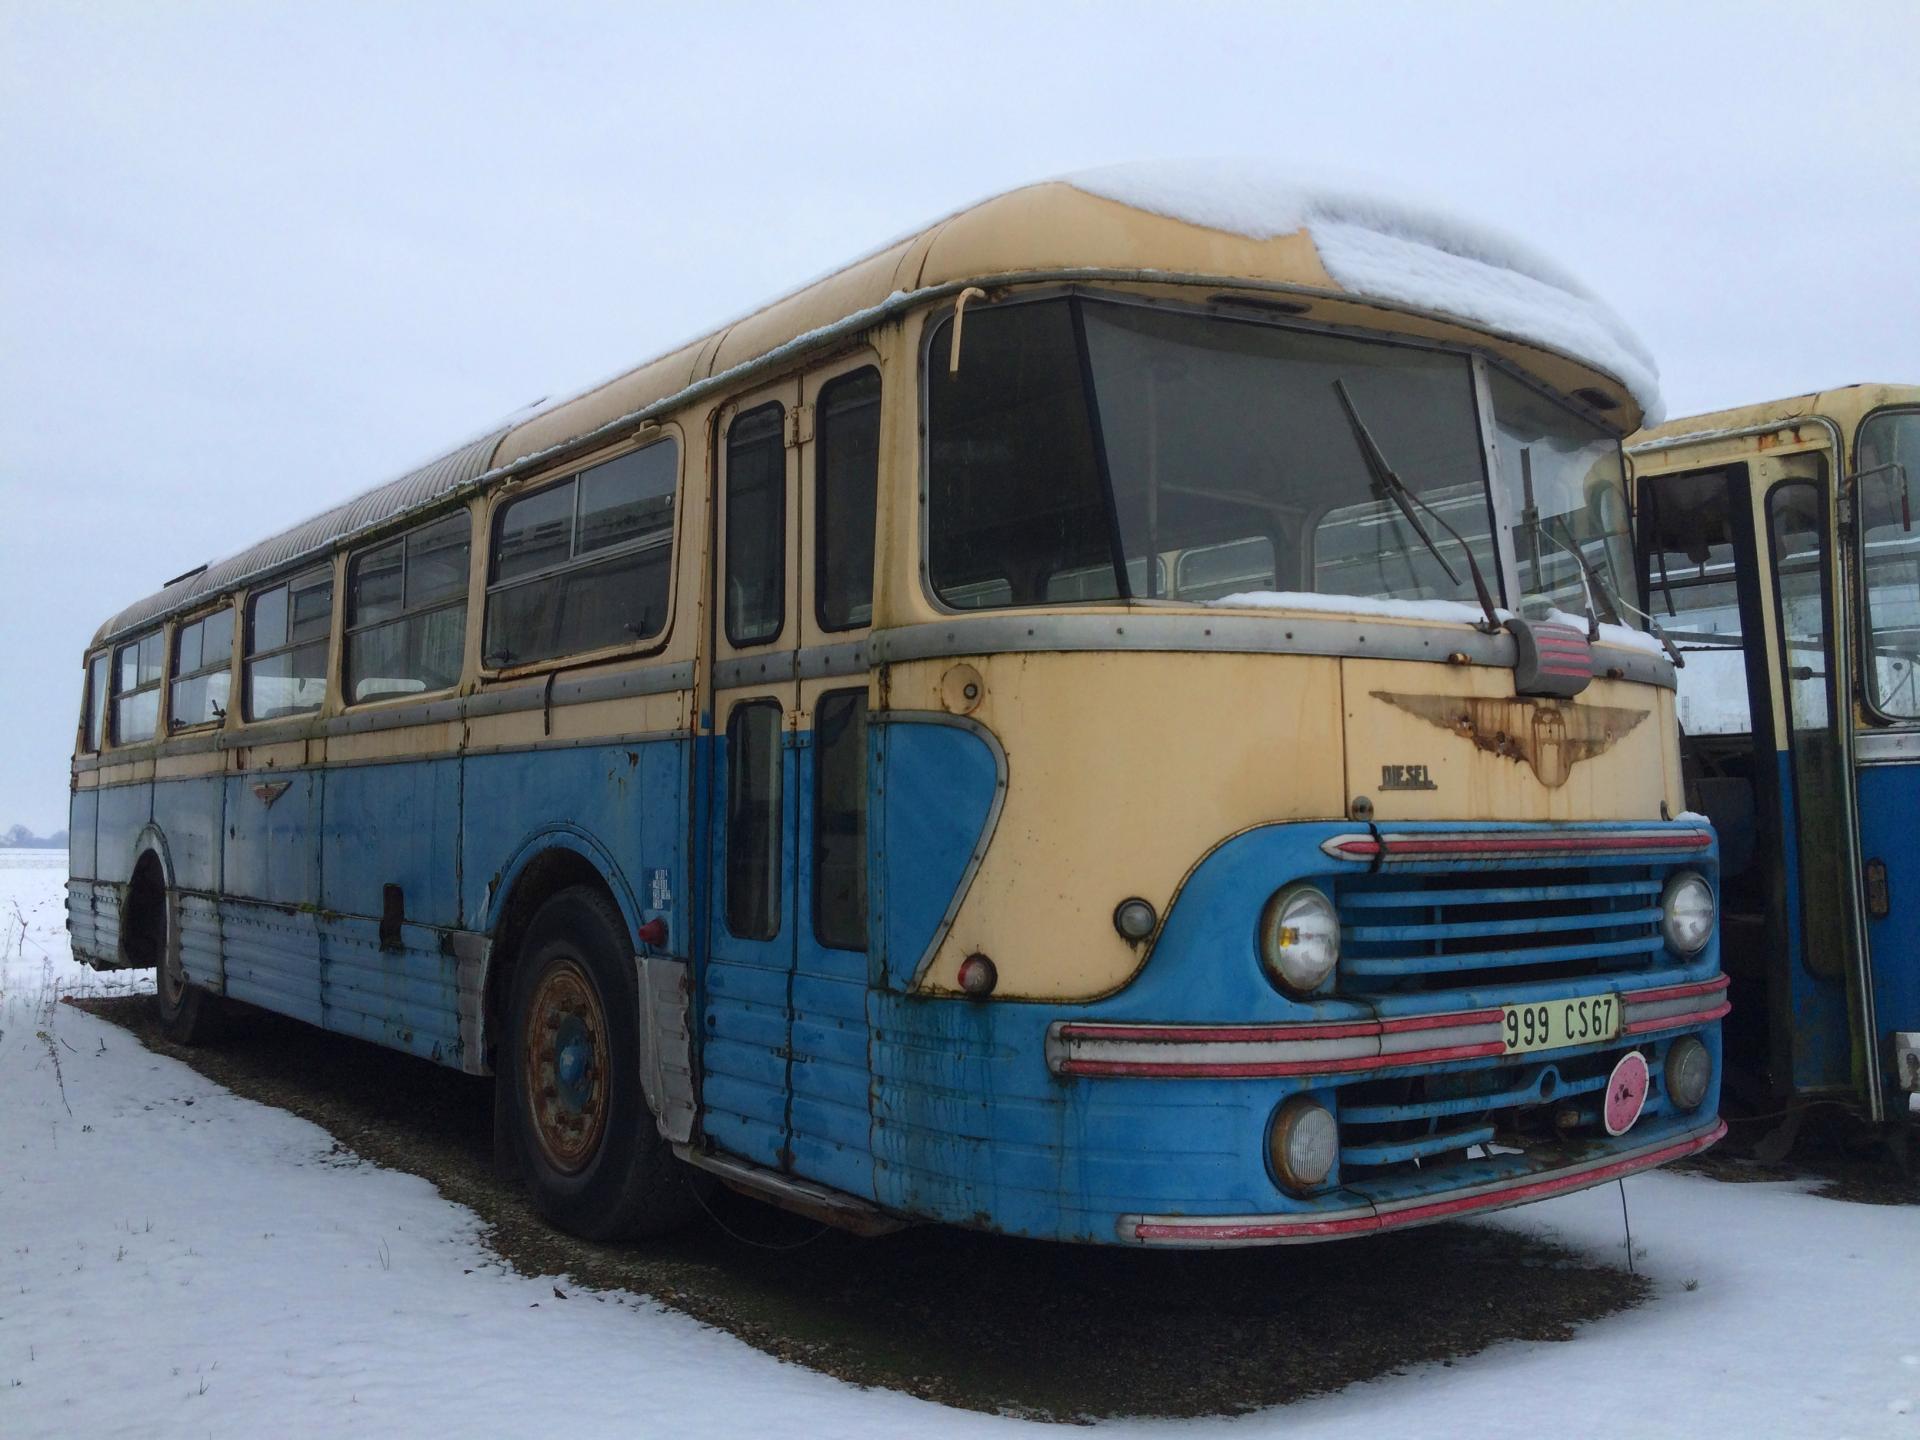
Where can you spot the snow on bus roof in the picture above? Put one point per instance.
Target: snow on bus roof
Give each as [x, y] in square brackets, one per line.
[1390, 250]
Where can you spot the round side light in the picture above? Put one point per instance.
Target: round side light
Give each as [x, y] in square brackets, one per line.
[1134, 919]
[978, 976]
[1689, 1071]
[1303, 1142]
[1299, 938]
[1686, 913]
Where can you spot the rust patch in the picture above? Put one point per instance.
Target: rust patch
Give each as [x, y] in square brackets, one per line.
[1547, 737]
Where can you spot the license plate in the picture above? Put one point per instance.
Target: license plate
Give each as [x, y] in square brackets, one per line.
[1553, 1023]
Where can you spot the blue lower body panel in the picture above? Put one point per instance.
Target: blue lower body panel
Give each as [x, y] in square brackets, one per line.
[1889, 801]
[984, 1112]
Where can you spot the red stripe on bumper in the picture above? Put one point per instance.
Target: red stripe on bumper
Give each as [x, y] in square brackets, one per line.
[1675, 1022]
[1674, 992]
[1268, 1069]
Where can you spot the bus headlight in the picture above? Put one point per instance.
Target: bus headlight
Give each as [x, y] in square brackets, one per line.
[1689, 1068]
[1303, 1142]
[1299, 938]
[1686, 913]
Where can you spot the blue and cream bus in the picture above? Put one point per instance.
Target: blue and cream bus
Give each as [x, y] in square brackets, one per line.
[1779, 548]
[1102, 720]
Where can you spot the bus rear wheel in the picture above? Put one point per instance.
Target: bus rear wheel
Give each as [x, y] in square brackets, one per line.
[189, 1013]
[594, 1162]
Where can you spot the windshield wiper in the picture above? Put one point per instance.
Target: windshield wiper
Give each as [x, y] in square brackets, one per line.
[1399, 492]
[1590, 581]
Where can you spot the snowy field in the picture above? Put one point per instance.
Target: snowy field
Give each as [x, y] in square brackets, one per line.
[175, 1260]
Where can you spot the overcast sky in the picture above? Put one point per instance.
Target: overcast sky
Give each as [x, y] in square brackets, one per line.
[254, 259]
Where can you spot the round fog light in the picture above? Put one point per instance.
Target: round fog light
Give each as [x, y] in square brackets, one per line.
[1689, 1070]
[1299, 938]
[1686, 913]
[1303, 1143]
[1134, 919]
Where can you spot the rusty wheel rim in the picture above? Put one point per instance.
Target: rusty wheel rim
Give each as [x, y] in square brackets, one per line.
[565, 1066]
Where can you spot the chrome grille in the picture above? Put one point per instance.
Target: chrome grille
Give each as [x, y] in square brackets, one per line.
[1403, 933]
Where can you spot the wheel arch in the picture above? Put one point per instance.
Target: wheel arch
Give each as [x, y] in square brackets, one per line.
[546, 862]
[144, 901]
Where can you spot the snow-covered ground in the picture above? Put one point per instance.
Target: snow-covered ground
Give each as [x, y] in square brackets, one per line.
[175, 1260]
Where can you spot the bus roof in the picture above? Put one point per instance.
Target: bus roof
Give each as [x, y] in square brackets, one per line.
[1231, 228]
[1846, 406]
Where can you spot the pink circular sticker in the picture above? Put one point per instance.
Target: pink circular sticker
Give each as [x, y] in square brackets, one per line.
[1626, 1093]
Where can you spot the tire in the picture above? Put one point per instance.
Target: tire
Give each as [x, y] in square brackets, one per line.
[189, 1014]
[592, 1158]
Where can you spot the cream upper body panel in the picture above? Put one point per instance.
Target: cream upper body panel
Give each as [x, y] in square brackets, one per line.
[1125, 769]
[1793, 421]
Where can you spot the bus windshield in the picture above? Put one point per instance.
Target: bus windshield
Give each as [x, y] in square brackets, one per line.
[1087, 451]
[1564, 490]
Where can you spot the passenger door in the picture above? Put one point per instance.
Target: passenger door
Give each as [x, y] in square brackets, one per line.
[1887, 745]
[1810, 659]
[829, 1118]
[747, 979]
[784, 1061]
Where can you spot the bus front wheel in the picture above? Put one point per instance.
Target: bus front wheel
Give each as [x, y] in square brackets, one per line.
[595, 1163]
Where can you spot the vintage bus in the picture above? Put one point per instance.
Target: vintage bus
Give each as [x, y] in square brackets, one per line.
[1025, 732]
[1778, 545]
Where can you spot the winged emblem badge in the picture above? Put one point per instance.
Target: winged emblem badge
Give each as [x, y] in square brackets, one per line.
[1544, 735]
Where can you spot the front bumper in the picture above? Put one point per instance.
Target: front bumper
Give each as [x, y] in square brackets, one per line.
[1189, 1231]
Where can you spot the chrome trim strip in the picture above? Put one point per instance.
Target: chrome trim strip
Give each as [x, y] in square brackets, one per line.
[306, 726]
[621, 685]
[775, 667]
[398, 717]
[814, 662]
[1414, 846]
[280, 772]
[627, 684]
[1009, 631]
[1357, 636]
[1886, 747]
[823, 662]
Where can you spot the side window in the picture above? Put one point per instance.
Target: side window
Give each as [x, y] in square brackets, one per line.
[846, 477]
[407, 612]
[1213, 572]
[756, 526]
[584, 564]
[202, 670]
[287, 630]
[753, 820]
[96, 701]
[1890, 561]
[1687, 539]
[840, 820]
[136, 688]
